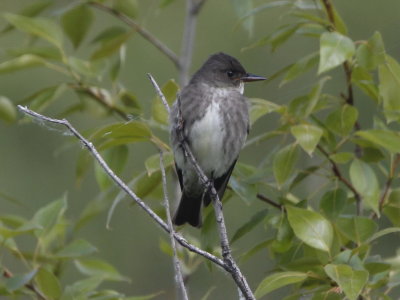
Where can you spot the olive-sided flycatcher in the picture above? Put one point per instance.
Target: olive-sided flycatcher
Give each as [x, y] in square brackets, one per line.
[215, 126]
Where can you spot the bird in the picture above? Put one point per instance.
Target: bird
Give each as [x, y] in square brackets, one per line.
[213, 114]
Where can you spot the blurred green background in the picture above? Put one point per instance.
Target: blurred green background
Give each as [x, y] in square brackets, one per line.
[38, 165]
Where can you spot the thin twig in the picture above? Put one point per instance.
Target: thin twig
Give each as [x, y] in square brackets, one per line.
[388, 184]
[340, 177]
[270, 201]
[139, 29]
[177, 265]
[159, 93]
[93, 151]
[329, 11]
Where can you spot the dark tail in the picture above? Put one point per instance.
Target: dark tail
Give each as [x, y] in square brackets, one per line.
[189, 211]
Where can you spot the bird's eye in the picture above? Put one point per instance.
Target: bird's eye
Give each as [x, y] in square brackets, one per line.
[230, 74]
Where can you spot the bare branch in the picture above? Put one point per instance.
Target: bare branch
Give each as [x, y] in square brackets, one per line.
[193, 8]
[159, 93]
[93, 151]
[270, 201]
[139, 29]
[177, 265]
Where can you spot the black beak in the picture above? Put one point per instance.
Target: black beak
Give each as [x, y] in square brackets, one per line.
[251, 77]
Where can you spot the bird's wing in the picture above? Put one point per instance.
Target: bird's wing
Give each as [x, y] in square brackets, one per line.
[180, 176]
[220, 184]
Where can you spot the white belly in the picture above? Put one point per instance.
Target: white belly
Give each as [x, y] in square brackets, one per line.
[207, 137]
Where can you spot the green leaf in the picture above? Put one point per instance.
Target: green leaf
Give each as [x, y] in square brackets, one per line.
[284, 163]
[357, 229]
[116, 158]
[370, 154]
[44, 97]
[314, 97]
[111, 45]
[130, 101]
[390, 140]
[249, 225]
[350, 281]
[165, 3]
[389, 88]
[30, 11]
[48, 284]
[8, 113]
[44, 52]
[76, 248]
[300, 67]
[97, 267]
[282, 34]
[41, 27]
[278, 280]
[158, 111]
[382, 233]
[339, 23]
[268, 5]
[152, 163]
[145, 297]
[364, 180]
[333, 203]
[392, 207]
[83, 163]
[48, 216]
[127, 7]
[260, 246]
[108, 34]
[341, 121]
[310, 227]
[364, 80]
[284, 235]
[246, 191]
[301, 107]
[18, 281]
[261, 107]
[145, 184]
[25, 228]
[93, 69]
[122, 133]
[349, 258]
[117, 66]
[303, 174]
[372, 53]
[22, 62]
[80, 289]
[342, 157]
[335, 49]
[311, 30]
[76, 23]
[307, 136]
[242, 9]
